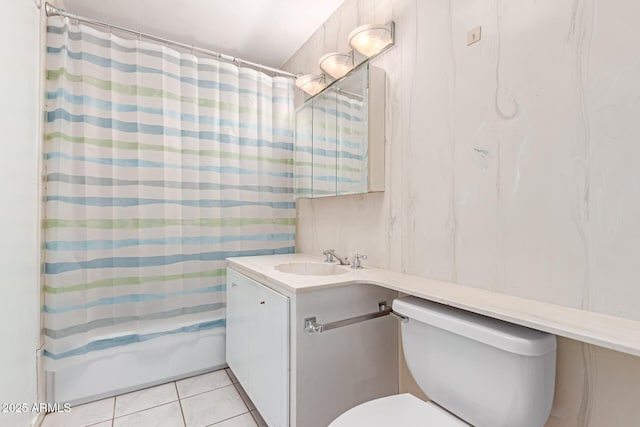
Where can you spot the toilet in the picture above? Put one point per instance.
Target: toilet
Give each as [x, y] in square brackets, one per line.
[476, 370]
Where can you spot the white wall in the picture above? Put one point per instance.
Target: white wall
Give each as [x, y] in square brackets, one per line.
[20, 212]
[512, 165]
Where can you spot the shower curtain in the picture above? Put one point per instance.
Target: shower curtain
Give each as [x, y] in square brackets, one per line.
[159, 165]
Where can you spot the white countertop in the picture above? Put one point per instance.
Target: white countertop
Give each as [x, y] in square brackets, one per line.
[599, 329]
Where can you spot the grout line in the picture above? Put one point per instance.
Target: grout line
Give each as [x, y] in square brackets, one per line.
[244, 396]
[146, 409]
[259, 422]
[235, 387]
[199, 375]
[99, 422]
[254, 418]
[160, 385]
[113, 414]
[227, 370]
[230, 418]
[184, 420]
[208, 391]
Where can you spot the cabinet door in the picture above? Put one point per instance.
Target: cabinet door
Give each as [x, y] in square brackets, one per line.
[239, 293]
[324, 145]
[340, 137]
[258, 345]
[303, 152]
[269, 357]
[352, 133]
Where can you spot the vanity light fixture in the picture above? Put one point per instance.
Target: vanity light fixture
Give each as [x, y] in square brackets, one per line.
[337, 65]
[367, 40]
[311, 83]
[371, 39]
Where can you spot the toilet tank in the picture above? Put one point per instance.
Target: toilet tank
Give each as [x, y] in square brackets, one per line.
[488, 372]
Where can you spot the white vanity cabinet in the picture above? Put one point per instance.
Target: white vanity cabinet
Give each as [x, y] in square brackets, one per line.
[258, 345]
[301, 380]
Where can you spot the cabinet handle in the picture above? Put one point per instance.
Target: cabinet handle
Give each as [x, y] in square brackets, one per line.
[261, 302]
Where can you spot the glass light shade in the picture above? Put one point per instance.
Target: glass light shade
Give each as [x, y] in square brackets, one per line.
[337, 65]
[371, 39]
[311, 83]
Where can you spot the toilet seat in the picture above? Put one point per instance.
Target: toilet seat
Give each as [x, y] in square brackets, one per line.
[400, 410]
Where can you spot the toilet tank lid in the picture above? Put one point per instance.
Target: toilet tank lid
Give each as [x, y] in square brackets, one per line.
[496, 333]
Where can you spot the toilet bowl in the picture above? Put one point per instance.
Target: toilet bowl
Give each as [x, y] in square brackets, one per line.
[478, 371]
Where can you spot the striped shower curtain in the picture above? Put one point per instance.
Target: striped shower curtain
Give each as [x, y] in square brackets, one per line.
[159, 165]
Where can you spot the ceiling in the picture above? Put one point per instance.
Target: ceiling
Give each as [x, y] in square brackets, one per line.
[267, 32]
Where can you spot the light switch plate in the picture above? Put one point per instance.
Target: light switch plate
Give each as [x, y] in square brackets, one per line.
[474, 35]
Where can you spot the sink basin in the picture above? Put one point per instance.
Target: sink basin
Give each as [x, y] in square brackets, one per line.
[311, 268]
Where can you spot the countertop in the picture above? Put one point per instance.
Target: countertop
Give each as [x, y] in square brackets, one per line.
[599, 329]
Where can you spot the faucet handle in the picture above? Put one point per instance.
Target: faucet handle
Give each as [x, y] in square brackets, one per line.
[356, 260]
[328, 256]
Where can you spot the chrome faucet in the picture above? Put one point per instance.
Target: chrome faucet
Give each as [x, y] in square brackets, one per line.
[330, 254]
[356, 261]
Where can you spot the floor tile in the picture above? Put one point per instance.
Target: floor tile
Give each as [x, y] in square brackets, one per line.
[245, 397]
[244, 420]
[231, 375]
[258, 418]
[212, 407]
[168, 415]
[145, 399]
[201, 383]
[103, 424]
[82, 415]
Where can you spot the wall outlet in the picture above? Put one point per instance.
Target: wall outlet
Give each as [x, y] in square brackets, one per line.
[474, 35]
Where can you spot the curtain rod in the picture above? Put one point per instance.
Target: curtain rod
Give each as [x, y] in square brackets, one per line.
[54, 11]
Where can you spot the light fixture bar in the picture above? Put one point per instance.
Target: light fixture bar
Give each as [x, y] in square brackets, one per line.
[382, 39]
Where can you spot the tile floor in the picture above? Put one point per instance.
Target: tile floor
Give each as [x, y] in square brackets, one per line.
[213, 399]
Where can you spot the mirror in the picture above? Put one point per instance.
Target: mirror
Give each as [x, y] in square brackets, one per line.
[351, 133]
[339, 147]
[324, 143]
[303, 152]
